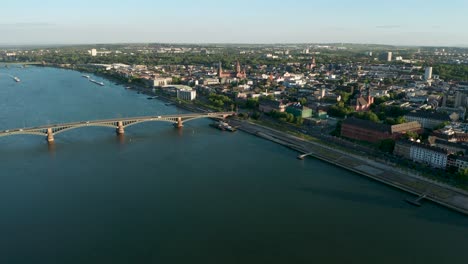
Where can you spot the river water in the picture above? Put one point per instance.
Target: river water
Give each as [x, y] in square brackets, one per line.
[197, 195]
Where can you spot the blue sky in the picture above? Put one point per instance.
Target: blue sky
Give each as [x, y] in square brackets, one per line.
[410, 22]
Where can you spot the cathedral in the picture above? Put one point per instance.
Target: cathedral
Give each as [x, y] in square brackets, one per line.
[361, 103]
[311, 65]
[239, 73]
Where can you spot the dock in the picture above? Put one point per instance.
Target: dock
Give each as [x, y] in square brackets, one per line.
[303, 156]
[416, 202]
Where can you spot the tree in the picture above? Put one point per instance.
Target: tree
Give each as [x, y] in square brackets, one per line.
[345, 96]
[387, 145]
[380, 100]
[369, 115]
[441, 125]
[462, 176]
[339, 110]
[411, 135]
[251, 103]
[400, 120]
[255, 115]
[303, 101]
[299, 121]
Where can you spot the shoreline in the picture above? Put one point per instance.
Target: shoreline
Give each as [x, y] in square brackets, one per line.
[365, 168]
[446, 196]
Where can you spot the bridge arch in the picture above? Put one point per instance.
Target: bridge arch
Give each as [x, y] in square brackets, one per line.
[84, 125]
[200, 117]
[146, 121]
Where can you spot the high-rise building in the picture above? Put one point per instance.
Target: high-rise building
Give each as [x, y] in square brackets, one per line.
[428, 73]
[389, 56]
[93, 52]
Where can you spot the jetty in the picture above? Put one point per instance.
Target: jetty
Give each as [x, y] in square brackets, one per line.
[416, 202]
[303, 156]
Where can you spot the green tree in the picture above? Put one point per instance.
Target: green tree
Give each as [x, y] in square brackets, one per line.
[303, 101]
[441, 125]
[299, 121]
[176, 80]
[251, 103]
[369, 115]
[462, 176]
[387, 145]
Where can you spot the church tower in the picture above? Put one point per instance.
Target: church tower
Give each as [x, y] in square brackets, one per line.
[220, 70]
[238, 67]
[370, 99]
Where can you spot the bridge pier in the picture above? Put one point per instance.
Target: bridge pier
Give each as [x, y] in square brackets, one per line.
[179, 122]
[120, 128]
[50, 135]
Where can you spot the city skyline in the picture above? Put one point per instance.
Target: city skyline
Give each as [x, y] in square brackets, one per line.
[261, 22]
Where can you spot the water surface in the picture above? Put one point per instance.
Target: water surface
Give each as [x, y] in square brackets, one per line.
[199, 195]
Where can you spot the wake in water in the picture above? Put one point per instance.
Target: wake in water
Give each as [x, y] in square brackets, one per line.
[13, 77]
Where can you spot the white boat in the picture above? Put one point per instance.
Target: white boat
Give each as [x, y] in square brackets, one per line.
[96, 82]
[223, 126]
[16, 79]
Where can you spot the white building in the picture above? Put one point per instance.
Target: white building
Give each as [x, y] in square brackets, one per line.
[432, 156]
[211, 81]
[93, 52]
[461, 163]
[389, 56]
[186, 94]
[428, 73]
[158, 82]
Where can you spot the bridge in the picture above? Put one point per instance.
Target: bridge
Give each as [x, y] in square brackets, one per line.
[119, 124]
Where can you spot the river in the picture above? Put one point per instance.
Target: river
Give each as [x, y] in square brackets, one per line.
[196, 195]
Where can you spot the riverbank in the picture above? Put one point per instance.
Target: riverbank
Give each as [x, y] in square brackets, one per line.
[436, 192]
[446, 196]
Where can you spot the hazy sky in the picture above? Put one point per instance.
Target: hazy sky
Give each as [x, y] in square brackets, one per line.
[411, 22]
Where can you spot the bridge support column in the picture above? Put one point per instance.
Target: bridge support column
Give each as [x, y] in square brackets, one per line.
[50, 135]
[120, 128]
[179, 122]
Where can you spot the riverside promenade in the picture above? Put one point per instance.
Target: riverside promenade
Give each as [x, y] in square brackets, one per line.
[439, 193]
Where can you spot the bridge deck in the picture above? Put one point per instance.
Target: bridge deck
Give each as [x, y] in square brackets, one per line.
[171, 118]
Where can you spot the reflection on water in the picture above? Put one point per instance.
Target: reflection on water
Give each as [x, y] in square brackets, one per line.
[180, 131]
[192, 195]
[51, 148]
[121, 138]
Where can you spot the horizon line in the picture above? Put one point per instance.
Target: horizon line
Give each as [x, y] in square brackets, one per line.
[230, 43]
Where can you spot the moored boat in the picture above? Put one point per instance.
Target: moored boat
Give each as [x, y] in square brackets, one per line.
[223, 126]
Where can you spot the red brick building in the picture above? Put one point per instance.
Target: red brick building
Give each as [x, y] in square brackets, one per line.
[239, 73]
[369, 131]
